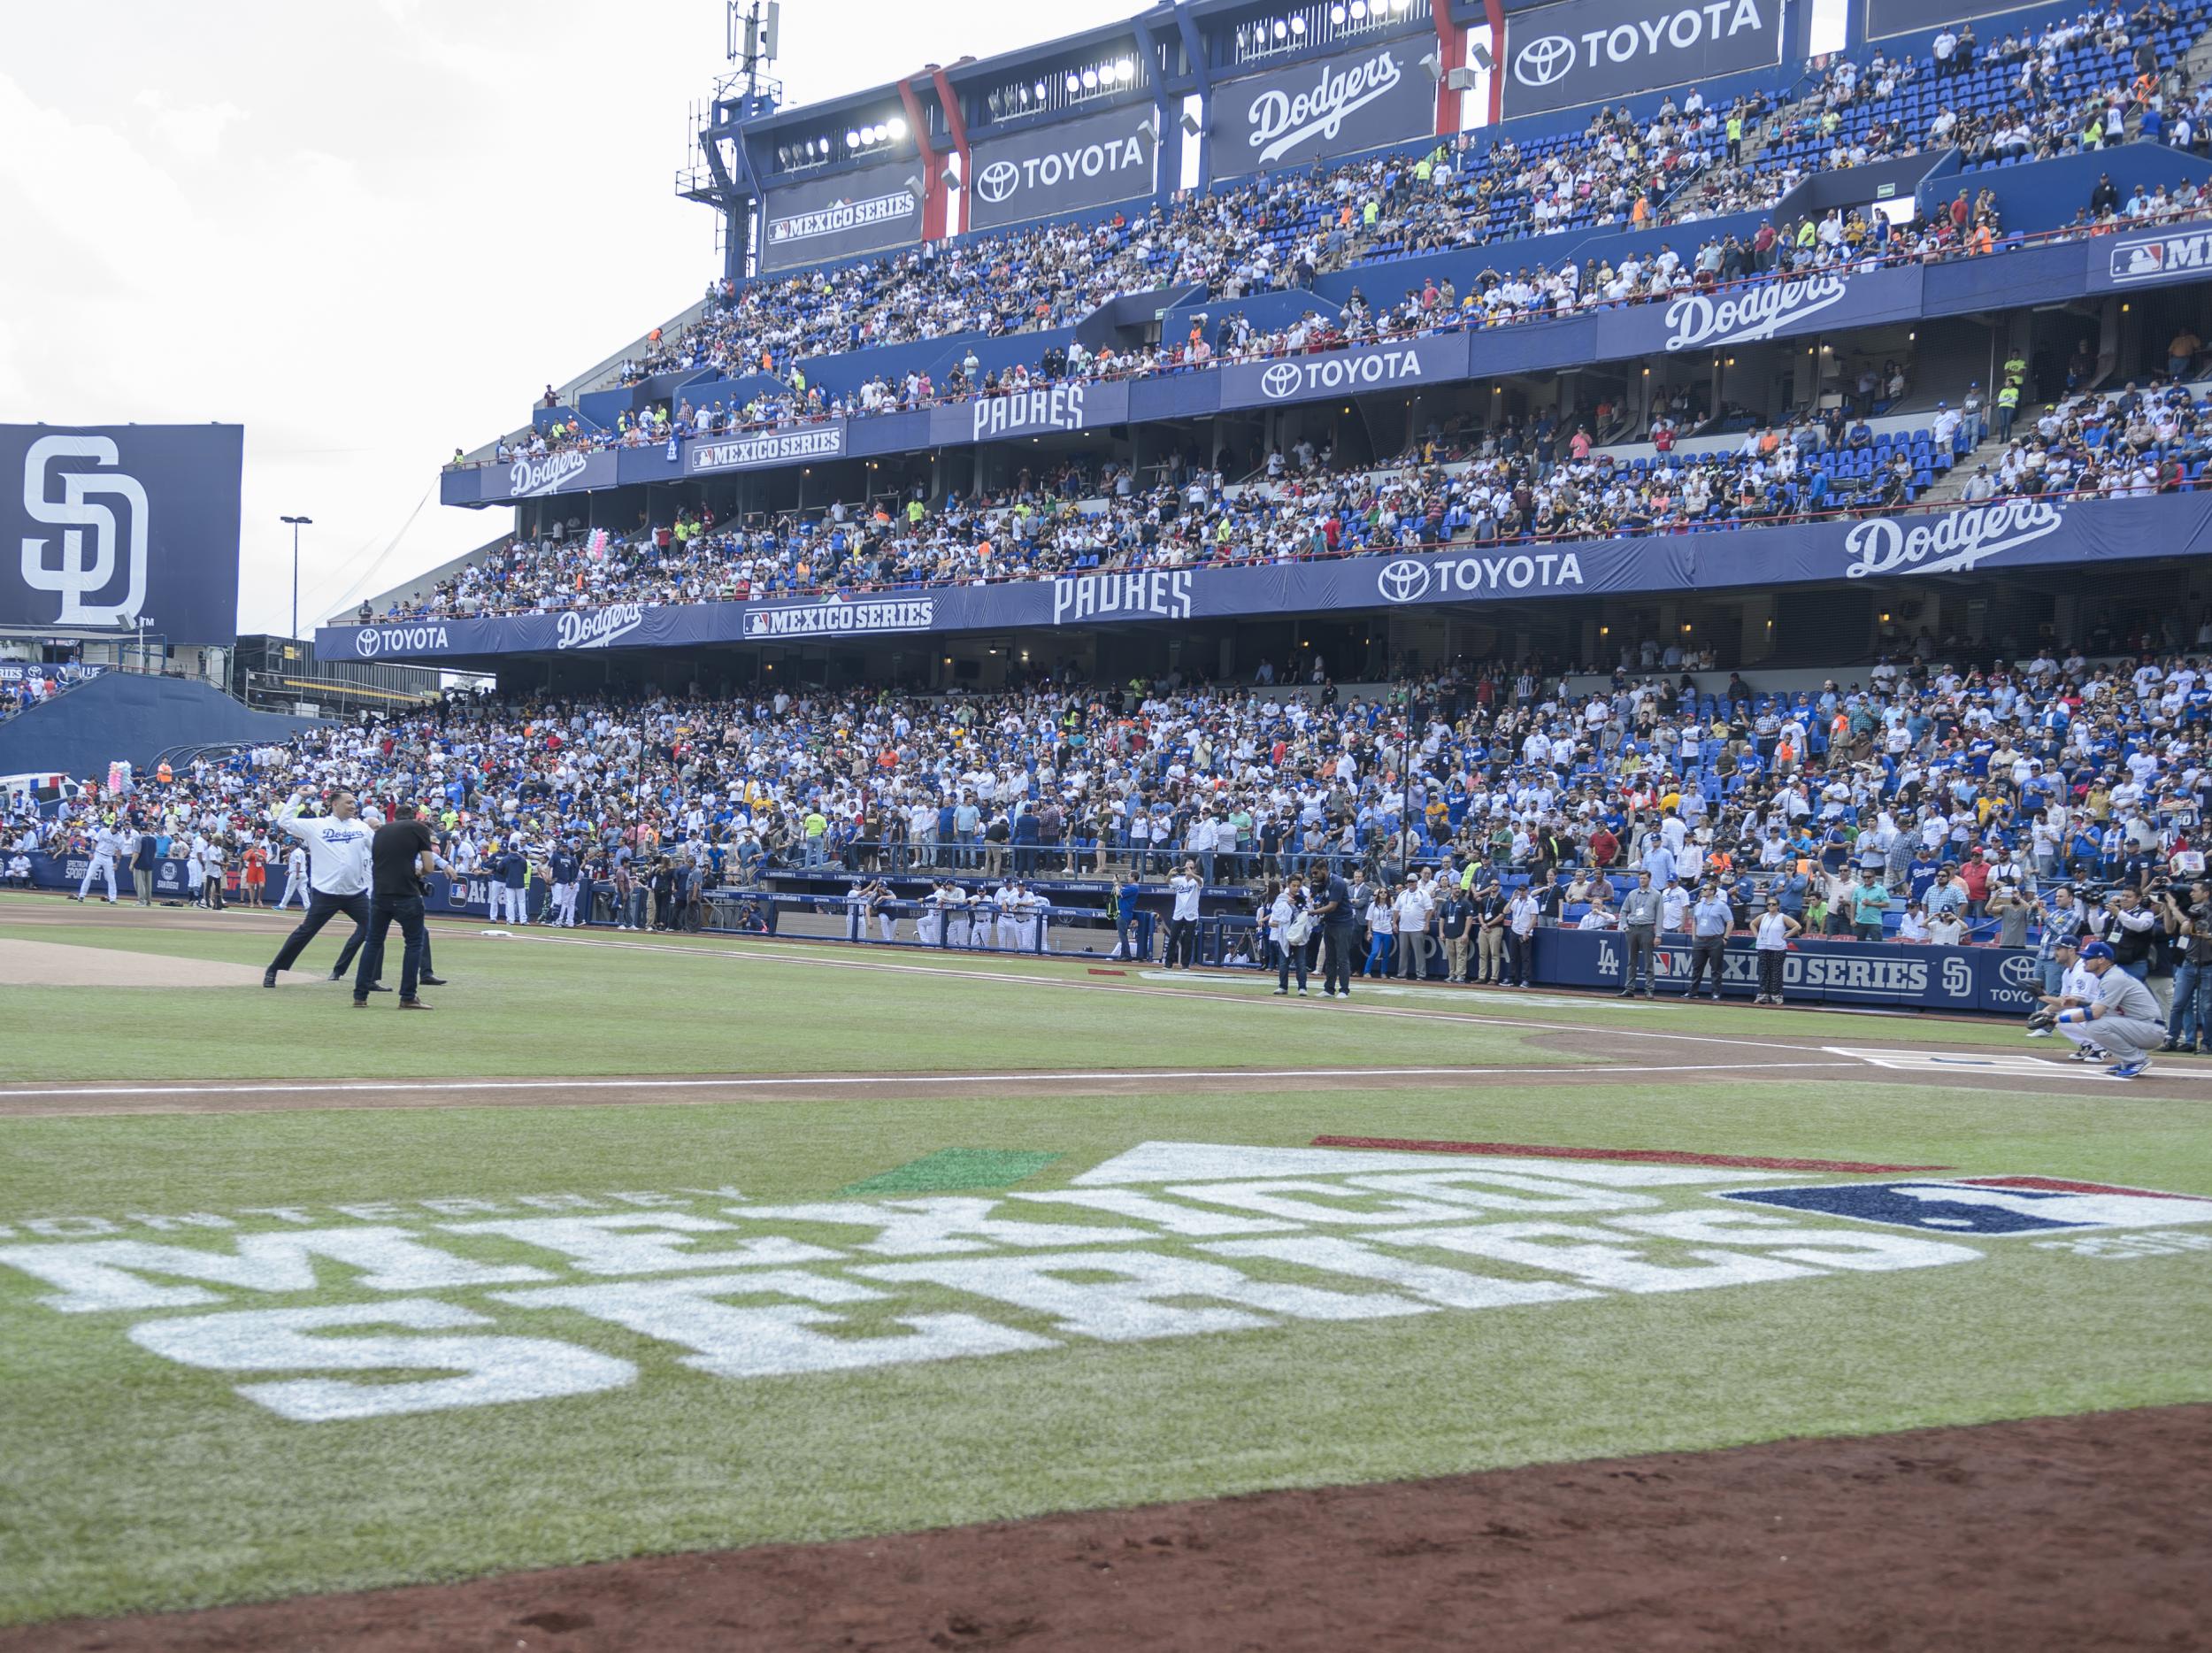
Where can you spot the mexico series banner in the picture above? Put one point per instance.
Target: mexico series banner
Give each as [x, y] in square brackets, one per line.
[116, 527]
[872, 210]
[2010, 534]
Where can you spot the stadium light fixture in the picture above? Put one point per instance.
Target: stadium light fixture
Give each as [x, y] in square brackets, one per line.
[1359, 11]
[1090, 79]
[1126, 70]
[297, 523]
[1282, 29]
[1041, 90]
[898, 126]
[1298, 26]
[1336, 15]
[852, 139]
[1075, 83]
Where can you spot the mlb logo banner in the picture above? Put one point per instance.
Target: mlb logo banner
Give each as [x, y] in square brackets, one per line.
[2170, 254]
[1987, 1205]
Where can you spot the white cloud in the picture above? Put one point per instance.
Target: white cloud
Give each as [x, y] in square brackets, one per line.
[192, 129]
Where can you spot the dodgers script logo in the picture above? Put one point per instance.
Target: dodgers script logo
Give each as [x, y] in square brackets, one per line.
[75, 579]
[2156, 257]
[1957, 541]
[1281, 122]
[1699, 320]
[596, 630]
[532, 477]
[370, 642]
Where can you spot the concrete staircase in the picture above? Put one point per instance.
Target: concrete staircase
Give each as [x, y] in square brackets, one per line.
[1694, 195]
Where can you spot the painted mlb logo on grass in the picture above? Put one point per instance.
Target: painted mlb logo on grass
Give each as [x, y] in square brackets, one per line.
[1988, 1206]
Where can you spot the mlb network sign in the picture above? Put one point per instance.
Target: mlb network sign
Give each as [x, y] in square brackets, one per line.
[121, 527]
[2183, 253]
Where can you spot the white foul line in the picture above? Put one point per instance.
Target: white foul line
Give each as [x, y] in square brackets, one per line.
[756, 1082]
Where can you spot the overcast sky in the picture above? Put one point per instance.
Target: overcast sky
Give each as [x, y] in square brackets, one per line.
[370, 233]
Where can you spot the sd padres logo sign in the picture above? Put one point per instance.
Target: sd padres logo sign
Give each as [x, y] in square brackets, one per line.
[77, 577]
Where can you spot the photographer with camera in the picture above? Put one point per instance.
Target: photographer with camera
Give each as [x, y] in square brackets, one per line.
[2188, 927]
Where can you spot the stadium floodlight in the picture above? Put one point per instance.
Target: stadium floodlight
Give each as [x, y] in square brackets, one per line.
[1359, 11]
[1282, 29]
[1090, 79]
[992, 99]
[1040, 91]
[1125, 71]
[898, 126]
[852, 139]
[1298, 26]
[1075, 82]
[297, 523]
[1336, 15]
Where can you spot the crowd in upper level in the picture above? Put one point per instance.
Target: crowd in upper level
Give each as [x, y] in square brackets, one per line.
[1522, 480]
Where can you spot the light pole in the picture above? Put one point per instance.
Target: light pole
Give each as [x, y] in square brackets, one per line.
[297, 523]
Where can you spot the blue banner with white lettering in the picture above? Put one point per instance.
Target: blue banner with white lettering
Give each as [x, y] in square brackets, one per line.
[1982, 981]
[2178, 252]
[1073, 406]
[1823, 302]
[572, 471]
[122, 527]
[1412, 365]
[2010, 534]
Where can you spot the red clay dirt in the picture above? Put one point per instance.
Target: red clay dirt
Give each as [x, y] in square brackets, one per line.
[2077, 1533]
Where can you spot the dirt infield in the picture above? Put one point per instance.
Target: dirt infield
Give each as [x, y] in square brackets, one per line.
[2075, 1533]
[53, 965]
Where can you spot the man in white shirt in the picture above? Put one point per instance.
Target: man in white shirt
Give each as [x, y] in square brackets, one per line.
[337, 847]
[295, 878]
[1182, 925]
[105, 842]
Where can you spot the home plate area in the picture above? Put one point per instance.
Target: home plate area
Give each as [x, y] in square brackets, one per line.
[1997, 1064]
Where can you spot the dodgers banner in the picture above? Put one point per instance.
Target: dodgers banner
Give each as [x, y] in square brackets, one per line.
[2180, 252]
[571, 472]
[1408, 365]
[1822, 301]
[1328, 106]
[1067, 167]
[112, 528]
[1601, 51]
[870, 211]
[764, 448]
[2008, 533]
[1979, 981]
[1077, 405]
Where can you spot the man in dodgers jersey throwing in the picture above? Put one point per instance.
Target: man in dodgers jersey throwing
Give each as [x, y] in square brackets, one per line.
[337, 847]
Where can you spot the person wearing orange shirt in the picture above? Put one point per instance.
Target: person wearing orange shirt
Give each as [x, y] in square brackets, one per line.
[257, 875]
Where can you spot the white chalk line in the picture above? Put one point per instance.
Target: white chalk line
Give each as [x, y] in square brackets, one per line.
[833, 1080]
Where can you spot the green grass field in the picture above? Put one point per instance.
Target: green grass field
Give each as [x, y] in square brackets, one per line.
[744, 1287]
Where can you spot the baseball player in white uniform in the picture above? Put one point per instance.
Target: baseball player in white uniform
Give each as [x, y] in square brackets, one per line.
[957, 923]
[295, 879]
[106, 843]
[1012, 916]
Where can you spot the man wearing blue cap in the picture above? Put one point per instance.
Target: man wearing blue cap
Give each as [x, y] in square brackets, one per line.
[2124, 1022]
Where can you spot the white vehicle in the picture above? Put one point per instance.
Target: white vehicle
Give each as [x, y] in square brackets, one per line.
[41, 790]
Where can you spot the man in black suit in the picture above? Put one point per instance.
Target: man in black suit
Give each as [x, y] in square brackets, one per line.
[1332, 909]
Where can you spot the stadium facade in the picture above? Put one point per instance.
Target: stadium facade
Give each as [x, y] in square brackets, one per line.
[1107, 127]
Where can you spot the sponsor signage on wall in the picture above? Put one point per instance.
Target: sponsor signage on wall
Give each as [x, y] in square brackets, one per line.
[1067, 167]
[1075, 406]
[2015, 533]
[1338, 106]
[871, 211]
[1597, 51]
[1408, 366]
[2180, 252]
[121, 527]
[764, 448]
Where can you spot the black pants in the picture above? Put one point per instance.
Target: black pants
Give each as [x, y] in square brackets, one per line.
[1337, 941]
[1771, 972]
[1706, 952]
[383, 911]
[1290, 956]
[1520, 958]
[1182, 942]
[1643, 950]
[320, 908]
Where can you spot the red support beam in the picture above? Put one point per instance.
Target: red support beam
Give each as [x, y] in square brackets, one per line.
[956, 124]
[933, 186]
[1496, 9]
[1451, 53]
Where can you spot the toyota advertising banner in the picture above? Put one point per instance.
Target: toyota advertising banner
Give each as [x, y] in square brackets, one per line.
[1067, 167]
[1601, 51]
[1073, 406]
[2010, 534]
[871, 211]
[1339, 105]
[115, 527]
[1410, 366]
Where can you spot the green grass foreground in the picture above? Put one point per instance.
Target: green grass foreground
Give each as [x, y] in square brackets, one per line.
[131, 1482]
[538, 1006]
